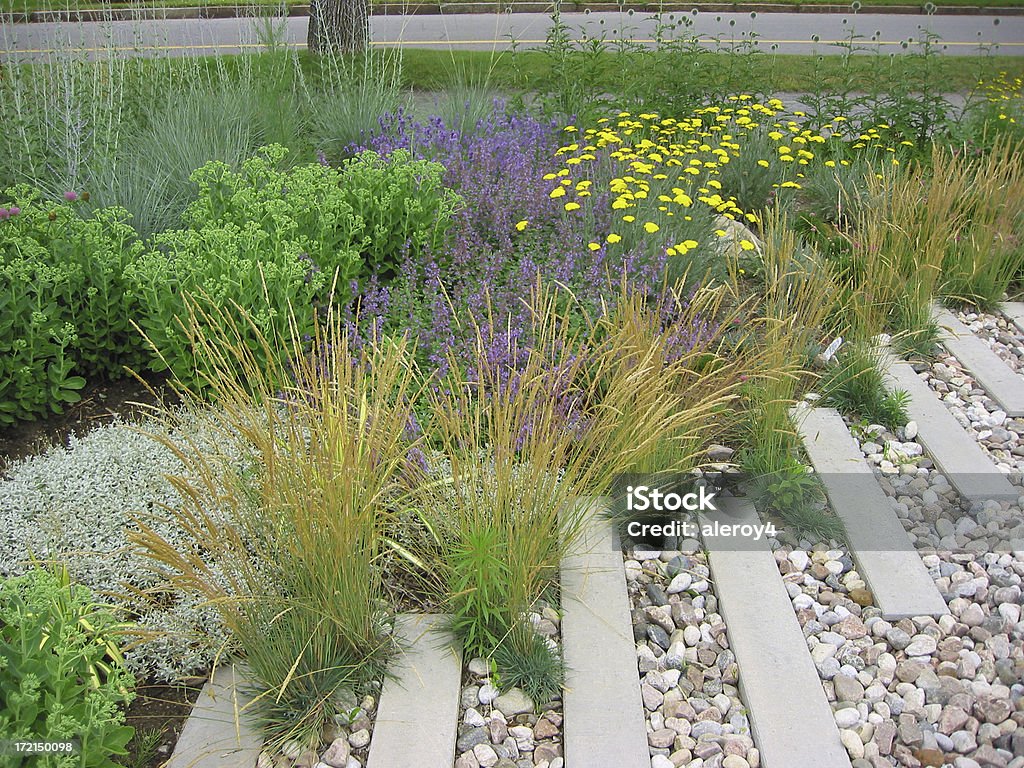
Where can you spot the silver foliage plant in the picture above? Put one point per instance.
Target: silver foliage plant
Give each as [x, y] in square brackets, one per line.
[76, 504]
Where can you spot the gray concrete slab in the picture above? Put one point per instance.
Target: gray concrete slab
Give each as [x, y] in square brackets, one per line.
[886, 558]
[418, 713]
[218, 734]
[604, 713]
[1014, 311]
[991, 373]
[790, 717]
[957, 455]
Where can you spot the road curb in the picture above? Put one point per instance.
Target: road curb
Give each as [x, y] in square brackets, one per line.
[434, 9]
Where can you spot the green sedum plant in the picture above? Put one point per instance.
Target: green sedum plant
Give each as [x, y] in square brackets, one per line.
[65, 305]
[61, 671]
[277, 240]
[227, 267]
[353, 219]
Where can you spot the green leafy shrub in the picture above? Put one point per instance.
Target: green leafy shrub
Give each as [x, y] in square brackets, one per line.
[354, 219]
[61, 671]
[279, 240]
[65, 307]
[228, 267]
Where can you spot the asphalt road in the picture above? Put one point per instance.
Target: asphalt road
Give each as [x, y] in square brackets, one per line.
[781, 32]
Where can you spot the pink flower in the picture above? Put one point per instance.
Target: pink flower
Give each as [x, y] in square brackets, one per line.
[4, 213]
[71, 196]
[14, 210]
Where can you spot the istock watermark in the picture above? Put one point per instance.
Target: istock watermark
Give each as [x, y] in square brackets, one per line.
[642, 498]
[659, 511]
[687, 529]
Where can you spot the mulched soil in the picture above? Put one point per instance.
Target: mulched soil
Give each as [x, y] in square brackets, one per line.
[100, 404]
[158, 714]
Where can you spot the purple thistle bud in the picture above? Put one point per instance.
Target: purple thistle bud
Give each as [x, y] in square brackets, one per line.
[71, 196]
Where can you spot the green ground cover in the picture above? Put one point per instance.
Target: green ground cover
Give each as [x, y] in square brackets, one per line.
[774, 73]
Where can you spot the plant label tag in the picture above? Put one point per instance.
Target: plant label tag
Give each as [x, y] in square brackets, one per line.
[831, 349]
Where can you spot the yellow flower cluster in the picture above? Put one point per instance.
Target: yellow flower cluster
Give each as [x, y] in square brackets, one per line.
[664, 166]
[1007, 93]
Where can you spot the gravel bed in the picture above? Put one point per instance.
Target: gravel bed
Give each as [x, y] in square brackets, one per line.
[1001, 335]
[688, 674]
[921, 691]
[932, 512]
[980, 415]
[345, 744]
[509, 730]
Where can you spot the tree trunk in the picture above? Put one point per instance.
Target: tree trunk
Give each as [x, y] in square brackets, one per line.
[339, 26]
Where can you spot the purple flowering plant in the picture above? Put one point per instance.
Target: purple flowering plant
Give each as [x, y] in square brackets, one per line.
[509, 233]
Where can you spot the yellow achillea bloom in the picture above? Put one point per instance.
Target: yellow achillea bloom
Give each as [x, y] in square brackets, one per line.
[557, 192]
[522, 225]
[572, 206]
[650, 227]
[614, 238]
[593, 246]
[746, 245]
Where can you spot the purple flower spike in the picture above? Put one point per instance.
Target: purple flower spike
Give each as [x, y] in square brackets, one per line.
[14, 210]
[4, 213]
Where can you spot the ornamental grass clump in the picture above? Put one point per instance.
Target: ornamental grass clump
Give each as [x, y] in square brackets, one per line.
[897, 249]
[798, 295]
[987, 254]
[286, 541]
[552, 414]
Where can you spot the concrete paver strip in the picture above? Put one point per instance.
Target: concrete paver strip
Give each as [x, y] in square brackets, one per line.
[417, 716]
[218, 733]
[604, 713]
[991, 373]
[886, 559]
[789, 714]
[967, 467]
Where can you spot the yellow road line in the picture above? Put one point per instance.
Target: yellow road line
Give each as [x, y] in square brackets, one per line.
[415, 43]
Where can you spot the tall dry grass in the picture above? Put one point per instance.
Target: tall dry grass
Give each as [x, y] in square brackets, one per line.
[645, 385]
[987, 254]
[285, 535]
[898, 248]
[799, 294]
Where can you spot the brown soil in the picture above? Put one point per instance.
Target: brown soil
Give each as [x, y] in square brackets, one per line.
[100, 404]
[158, 714]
